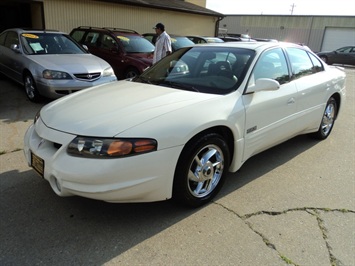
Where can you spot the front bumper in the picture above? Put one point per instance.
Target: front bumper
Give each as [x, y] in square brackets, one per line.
[54, 89]
[142, 178]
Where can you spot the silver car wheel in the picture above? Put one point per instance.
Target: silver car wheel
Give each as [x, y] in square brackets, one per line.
[30, 87]
[328, 118]
[201, 169]
[205, 171]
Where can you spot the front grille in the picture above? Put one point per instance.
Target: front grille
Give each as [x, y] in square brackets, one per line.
[88, 76]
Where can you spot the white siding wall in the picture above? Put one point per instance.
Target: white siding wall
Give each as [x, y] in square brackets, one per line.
[299, 29]
[335, 38]
[64, 15]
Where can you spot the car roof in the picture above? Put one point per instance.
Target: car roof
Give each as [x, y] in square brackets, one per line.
[112, 30]
[258, 46]
[23, 30]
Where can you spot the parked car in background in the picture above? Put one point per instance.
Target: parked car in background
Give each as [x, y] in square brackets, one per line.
[344, 55]
[177, 41]
[184, 123]
[125, 50]
[50, 63]
[236, 39]
[204, 39]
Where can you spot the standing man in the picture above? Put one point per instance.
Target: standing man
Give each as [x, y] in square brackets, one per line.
[162, 44]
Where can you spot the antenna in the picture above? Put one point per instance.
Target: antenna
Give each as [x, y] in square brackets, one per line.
[292, 8]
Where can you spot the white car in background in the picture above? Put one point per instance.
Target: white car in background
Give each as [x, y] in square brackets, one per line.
[50, 63]
[178, 129]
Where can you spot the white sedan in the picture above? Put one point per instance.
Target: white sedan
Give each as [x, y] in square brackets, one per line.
[176, 130]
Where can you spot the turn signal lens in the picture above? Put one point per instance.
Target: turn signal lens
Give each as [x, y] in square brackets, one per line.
[144, 145]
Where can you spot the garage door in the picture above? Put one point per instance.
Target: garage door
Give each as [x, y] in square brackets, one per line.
[335, 38]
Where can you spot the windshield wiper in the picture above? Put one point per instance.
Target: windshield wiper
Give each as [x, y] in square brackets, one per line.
[144, 80]
[178, 85]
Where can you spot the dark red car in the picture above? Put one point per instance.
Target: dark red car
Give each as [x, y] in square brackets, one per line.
[125, 50]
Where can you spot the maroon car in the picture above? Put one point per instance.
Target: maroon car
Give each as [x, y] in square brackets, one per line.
[125, 50]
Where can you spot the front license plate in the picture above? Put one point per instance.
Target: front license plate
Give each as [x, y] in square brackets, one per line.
[37, 163]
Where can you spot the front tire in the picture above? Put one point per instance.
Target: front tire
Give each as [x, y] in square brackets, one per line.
[131, 73]
[201, 170]
[30, 88]
[325, 59]
[328, 120]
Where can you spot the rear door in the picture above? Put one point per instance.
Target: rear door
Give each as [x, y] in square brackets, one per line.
[313, 85]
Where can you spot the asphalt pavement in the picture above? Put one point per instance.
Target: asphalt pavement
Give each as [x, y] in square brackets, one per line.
[291, 205]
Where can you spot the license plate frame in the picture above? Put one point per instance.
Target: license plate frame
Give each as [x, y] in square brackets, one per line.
[37, 163]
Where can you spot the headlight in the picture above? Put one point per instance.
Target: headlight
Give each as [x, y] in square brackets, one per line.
[110, 148]
[52, 74]
[108, 72]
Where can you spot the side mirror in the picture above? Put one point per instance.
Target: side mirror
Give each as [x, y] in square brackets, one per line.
[85, 47]
[264, 84]
[15, 48]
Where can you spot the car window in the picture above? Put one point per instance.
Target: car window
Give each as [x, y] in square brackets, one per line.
[179, 42]
[49, 43]
[211, 70]
[301, 63]
[2, 38]
[135, 44]
[272, 64]
[77, 35]
[92, 38]
[344, 50]
[317, 65]
[11, 38]
[107, 42]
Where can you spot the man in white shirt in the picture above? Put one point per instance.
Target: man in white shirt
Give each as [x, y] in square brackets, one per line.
[162, 44]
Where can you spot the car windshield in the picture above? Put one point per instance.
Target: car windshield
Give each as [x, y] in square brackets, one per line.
[49, 43]
[136, 44]
[213, 40]
[179, 42]
[217, 70]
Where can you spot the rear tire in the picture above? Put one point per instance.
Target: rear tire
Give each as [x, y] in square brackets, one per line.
[201, 170]
[328, 120]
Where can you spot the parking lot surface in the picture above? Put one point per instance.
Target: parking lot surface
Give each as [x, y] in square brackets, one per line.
[291, 205]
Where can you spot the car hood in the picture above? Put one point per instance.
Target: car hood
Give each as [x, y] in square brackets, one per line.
[72, 63]
[112, 108]
[147, 58]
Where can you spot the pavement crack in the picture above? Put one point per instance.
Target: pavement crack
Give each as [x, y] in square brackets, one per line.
[310, 210]
[333, 260]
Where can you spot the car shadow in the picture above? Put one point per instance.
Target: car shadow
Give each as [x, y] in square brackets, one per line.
[53, 229]
[14, 104]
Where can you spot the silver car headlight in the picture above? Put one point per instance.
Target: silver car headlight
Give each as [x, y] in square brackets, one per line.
[109, 147]
[53, 74]
[108, 72]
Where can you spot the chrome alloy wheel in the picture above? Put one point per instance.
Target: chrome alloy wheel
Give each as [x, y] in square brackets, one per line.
[328, 118]
[30, 87]
[205, 171]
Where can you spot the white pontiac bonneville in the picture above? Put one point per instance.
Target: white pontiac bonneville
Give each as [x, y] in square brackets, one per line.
[176, 130]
